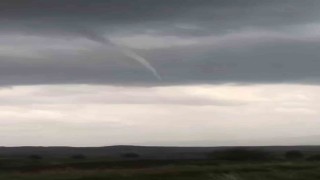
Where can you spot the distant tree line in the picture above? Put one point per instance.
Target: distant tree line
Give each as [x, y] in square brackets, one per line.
[294, 155]
[247, 154]
[78, 156]
[128, 155]
[131, 155]
[229, 154]
[240, 154]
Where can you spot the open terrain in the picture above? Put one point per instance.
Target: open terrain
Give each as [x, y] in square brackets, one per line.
[172, 163]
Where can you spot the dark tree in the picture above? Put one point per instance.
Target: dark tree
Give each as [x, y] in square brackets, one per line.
[315, 157]
[131, 155]
[78, 156]
[240, 154]
[35, 157]
[294, 155]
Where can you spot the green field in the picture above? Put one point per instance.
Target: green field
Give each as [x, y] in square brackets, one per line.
[298, 170]
[223, 164]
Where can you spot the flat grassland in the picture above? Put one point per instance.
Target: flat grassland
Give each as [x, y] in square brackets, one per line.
[198, 170]
[160, 163]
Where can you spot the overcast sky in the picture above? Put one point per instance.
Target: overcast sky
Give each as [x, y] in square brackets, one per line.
[151, 72]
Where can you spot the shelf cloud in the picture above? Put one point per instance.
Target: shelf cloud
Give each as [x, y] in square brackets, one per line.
[196, 42]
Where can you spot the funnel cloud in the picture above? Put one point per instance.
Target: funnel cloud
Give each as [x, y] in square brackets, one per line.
[124, 50]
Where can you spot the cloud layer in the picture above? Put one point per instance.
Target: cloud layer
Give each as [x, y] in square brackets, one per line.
[83, 115]
[195, 42]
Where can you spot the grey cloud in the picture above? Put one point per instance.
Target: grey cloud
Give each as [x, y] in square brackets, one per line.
[54, 95]
[69, 16]
[268, 60]
[268, 63]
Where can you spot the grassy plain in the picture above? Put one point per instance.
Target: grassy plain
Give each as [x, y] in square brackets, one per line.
[160, 163]
[163, 170]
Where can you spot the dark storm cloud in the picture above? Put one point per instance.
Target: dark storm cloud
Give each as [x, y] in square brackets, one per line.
[218, 16]
[267, 54]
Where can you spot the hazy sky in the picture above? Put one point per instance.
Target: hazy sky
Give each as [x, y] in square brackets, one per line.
[232, 72]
